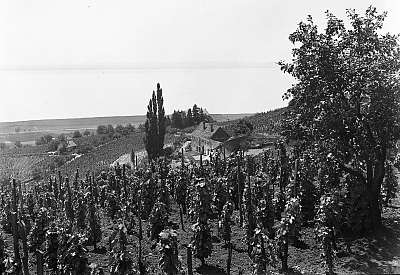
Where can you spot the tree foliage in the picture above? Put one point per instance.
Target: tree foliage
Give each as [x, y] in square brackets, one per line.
[347, 97]
[155, 125]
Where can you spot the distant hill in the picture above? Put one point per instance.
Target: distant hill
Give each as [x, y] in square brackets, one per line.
[28, 131]
[68, 124]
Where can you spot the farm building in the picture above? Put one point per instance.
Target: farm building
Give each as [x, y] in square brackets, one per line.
[71, 145]
[208, 137]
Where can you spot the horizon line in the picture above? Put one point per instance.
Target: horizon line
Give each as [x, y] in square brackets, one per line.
[174, 66]
[93, 117]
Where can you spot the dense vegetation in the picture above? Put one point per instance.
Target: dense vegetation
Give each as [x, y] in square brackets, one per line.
[315, 192]
[155, 125]
[193, 116]
[269, 122]
[345, 108]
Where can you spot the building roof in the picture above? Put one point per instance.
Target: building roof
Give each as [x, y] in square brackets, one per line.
[71, 144]
[206, 130]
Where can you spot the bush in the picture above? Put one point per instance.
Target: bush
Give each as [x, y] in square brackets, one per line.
[117, 136]
[62, 148]
[18, 144]
[77, 134]
[36, 174]
[168, 151]
[119, 129]
[56, 162]
[110, 129]
[44, 139]
[86, 133]
[84, 148]
[101, 130]
[53, 145]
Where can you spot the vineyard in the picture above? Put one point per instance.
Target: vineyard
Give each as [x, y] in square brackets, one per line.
[267, 122]
[313, 190]
[234, 215]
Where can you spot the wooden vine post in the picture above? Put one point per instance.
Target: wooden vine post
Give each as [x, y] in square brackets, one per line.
[249, 207]
[295, 181]
[189, 260]
[181, 217]
[239, 191]
[182, 159]
[229, 260]
[14, 217]
[124, 181]
[133, 158]
[39, 262]
[224, 160]
[140, 233]
[25, 257]
[201, 163]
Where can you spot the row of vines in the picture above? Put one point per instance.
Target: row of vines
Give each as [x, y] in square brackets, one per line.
[272, 196]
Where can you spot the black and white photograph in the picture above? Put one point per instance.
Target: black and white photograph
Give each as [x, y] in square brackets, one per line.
[189, 137]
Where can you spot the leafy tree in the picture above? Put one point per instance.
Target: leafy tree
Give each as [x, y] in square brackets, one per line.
[101, 130]
[160, 118]
[76, 134]
[130, 128]
[18, 144]
[189, 117]
[196, 115]
[178, 119]
[347, 98]
[243, 127]
[110, 129]
[155, 125]
[86, 133]
[120, 130]
[44, 139]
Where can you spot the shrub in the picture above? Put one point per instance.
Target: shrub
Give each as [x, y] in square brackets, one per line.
[86, 133]
[101, 130]
[76, 134]
[85, 148]
[44, 139]
[168, 151]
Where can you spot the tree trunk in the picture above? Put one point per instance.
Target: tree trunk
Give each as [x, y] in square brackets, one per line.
[374, 192]
[181, 216]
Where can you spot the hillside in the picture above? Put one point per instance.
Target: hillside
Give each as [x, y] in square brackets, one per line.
[29, 131]
[265, 122]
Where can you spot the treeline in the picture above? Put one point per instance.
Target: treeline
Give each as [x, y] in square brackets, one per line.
[119, 130]
[191, 117]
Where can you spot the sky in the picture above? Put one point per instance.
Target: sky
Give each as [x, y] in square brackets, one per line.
[89, 58]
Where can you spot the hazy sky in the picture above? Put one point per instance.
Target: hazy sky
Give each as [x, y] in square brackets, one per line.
[78, 58]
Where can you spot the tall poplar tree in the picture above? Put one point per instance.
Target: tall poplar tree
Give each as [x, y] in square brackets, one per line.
[155, 125]
[161, 118]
